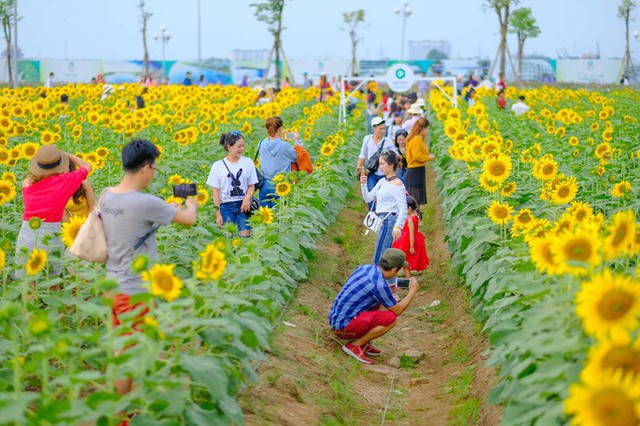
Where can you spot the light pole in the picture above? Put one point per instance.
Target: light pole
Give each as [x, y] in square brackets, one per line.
[405, 11]
[163, 38]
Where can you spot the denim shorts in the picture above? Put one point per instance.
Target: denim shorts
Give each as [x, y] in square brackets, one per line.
[231, 213]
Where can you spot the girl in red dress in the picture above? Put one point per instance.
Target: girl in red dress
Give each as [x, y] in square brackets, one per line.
[411, 241]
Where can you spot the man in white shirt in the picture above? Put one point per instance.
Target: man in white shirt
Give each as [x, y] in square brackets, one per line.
[49, 82]
[520, 107]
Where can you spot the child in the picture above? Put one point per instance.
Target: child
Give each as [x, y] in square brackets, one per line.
[411, 240]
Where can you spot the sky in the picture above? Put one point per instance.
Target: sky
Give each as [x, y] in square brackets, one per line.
[109, 29]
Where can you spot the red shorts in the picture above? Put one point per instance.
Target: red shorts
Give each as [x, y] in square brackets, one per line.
[121, 305]
[364, 322]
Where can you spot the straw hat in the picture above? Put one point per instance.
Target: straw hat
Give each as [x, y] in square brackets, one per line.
[49, 160]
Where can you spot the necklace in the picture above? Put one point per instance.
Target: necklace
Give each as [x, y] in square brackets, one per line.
[389, 179]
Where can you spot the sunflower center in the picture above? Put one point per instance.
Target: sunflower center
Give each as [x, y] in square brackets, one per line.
[563, 191]
[615, 304]
[612, 407]
[525, 218]
[501, 212]
[578, 249]
[548, 169]
[620, 234]
[623, 357]
[164, 281]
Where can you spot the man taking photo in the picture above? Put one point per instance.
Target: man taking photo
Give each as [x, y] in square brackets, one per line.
[356, 316]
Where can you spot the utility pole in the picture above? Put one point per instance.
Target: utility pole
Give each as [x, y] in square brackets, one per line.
[16, 74]
[199, 44]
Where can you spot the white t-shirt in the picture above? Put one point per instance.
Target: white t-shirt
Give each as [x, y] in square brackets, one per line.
[232, 188]
[369, 148]
[519, 108]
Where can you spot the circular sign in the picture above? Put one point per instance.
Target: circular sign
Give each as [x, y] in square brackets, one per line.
[400, 78]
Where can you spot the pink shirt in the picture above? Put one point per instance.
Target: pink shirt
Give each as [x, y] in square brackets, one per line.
[47, 198]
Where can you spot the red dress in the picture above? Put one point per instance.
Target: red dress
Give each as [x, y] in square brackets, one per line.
[419, 260]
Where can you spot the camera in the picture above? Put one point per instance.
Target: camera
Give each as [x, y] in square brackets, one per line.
[289, 135]
[184, 190]
[402, 282]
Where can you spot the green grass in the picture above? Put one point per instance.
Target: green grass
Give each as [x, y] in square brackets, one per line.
[342, 402]
[406, 362]
[465, 407]
[459, 352]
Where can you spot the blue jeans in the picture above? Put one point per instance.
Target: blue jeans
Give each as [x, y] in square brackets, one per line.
[401, 173]
[385, 236]
[231, 213]
[372, 180]
[268, 194]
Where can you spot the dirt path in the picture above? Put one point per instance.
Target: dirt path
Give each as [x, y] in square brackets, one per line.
[307, 379]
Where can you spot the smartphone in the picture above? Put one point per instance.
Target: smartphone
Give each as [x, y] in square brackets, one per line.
[289, 135]
[402, 282]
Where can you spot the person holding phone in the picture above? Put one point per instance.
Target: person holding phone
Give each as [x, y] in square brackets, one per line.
[356, 316]
[276, 157]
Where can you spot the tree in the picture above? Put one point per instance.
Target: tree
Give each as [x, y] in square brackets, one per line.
[502, 9]
[353, 19]
[8, 20]
[625, 10]
[524, 26]
[270, 12]
[144, 18]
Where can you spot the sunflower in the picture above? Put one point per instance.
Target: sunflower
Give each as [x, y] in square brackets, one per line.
[595, 127]
[283, 189]
[545, 169]
[574, 141]
[163, 282]
[509, 189]
[577, 251]
[102, 151]
[621, 188]
[3, 259]
[202, 197]
[327, 149]
[212, 263]
[581, 212]
[621, 234]
[607, 398]
[523, 219]
[565, 192]
[614, 351]
[498, 169]
[39, 324]
[607, 135]
[487, 184]
[608, 303]
[36, 262]
[499, 213]
[29, 149]
[266, 215]
[70, 229]
[175, 180]
[279, 177]
[542, 256]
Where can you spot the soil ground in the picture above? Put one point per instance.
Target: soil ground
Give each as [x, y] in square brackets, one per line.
[307, 379]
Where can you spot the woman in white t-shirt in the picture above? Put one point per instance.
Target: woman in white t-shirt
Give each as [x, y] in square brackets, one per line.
[233, 181]
[390, 198]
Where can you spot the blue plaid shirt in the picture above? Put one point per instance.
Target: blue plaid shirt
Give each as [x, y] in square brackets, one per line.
[365, 289]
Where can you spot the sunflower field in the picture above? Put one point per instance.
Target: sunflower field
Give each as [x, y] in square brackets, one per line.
[213, 299]
[541, 215]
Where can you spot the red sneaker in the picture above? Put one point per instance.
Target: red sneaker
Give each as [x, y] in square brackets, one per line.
[357, 352]
[371, 351]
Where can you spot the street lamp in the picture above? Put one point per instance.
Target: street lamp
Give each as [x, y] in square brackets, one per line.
[163, 38]
[405, 11]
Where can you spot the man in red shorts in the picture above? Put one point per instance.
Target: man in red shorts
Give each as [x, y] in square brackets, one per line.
[356, 316]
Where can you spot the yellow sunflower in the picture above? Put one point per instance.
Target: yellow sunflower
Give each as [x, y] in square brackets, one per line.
[565, 192]
[175, 180]
[542, 256]
[327, 149]
[487, 184]
[582, 212]
[163, 282]
[621, 188]
[499, 213]
[509, 189]
[498, 169]
[3, 259]
[212, 263]
[574, 141]
[614, 351]
[608, 303]
[70, 229]
[279, 177]
[266, 215]
[577, 252]
[604, 399]
[202, 197]
[545, 169]
[283, 189]
[36, 262]
[621, 235]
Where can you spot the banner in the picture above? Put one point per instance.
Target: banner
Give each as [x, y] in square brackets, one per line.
[70, 70]
[586, 71]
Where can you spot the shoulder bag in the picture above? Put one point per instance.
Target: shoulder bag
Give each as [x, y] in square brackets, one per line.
[91, 242]
[373, 163]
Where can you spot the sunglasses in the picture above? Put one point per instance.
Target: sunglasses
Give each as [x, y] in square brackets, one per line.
[236, 133]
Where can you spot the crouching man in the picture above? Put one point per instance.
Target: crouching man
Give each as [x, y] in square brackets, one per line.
[356, 316]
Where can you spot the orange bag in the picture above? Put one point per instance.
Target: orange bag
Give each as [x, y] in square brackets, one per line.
[303, 162]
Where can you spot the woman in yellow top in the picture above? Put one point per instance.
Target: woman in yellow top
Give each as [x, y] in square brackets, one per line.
[416, 156]
[82, 201]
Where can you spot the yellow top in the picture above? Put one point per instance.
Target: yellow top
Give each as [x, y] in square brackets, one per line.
[81, 209]
[417, 153]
